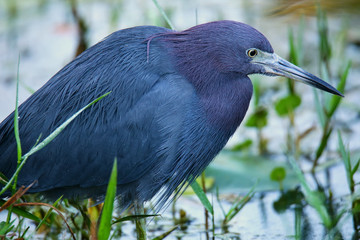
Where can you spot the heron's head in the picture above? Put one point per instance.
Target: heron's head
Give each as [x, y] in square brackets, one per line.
[234, 48]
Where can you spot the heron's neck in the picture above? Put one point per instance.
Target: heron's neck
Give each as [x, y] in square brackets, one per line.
[225, 96]
[226, 104]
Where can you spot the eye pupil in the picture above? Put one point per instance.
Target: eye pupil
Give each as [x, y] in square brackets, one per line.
[252, 52]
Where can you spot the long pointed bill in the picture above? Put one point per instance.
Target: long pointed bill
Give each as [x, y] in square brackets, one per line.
[276, 65]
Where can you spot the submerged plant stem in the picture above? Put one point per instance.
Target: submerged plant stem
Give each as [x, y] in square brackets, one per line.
[140, 222]
[206, 213]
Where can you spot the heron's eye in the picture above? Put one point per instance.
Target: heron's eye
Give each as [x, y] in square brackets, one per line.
[252, 52]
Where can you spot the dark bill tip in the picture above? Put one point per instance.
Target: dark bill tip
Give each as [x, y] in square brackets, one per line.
[276, 65]
[292, 71]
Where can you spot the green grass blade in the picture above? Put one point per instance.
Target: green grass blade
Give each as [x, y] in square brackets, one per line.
[324, 43]
[48, 214]
[312, 197]
[134, 217]
[256, 91]
[356, 167]
[323, 144]
[17, 137]
[6, 227]
[47, 140]
[237, 206]
[298, 216]
[346, 159]
[335, 100]
[16, 126]
[24, 233]
[23, 213]
[300, 40]
[293, 58]
[202, 197]
[16, 116]
[164, 235]
[106, 215]
[219, 201]
[319, 109]
[163, 13]
[27, 87]
[3, 179]
[58, 130]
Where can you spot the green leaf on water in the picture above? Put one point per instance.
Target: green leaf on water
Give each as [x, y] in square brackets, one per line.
[258, 119]
[238, 172]
[106, 215]
[243, 145]
[288, 199]
[287, 105]
[278, 174]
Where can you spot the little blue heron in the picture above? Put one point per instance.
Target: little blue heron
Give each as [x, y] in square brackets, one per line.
[176, 98]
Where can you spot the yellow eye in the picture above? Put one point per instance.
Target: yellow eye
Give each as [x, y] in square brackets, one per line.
[252, 52]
